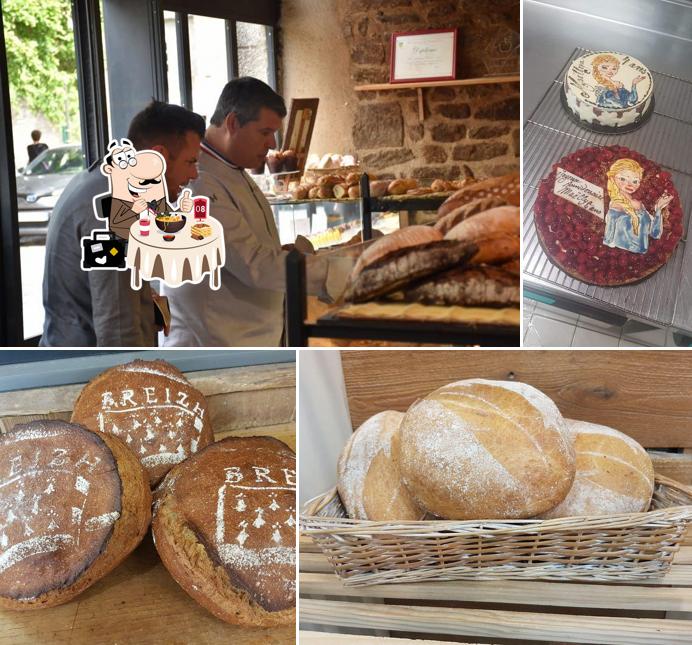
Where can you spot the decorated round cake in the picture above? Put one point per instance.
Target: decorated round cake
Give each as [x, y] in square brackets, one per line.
[608, 216]
[608, 92]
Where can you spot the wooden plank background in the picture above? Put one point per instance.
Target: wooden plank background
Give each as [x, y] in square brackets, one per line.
[238, 398]
[139, 602]
[646, 394]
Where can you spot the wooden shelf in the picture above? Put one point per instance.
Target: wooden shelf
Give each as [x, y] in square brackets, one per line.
[420, 86]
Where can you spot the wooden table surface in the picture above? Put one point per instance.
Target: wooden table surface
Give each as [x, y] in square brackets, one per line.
[657, 611]
[139, 602]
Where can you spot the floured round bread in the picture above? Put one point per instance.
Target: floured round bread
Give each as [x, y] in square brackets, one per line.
[368, 478]
[614, 473]
[224, 526]
[481, 449]
[73, 505]
[153, 408]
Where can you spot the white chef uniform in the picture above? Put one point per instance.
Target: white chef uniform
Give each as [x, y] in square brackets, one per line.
[248, 309]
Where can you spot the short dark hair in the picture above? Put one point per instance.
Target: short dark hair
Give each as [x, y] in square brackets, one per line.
[246, 96]
[35, 135]
[163, 124]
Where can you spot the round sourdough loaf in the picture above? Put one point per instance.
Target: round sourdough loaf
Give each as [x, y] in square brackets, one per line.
[481, 449]
[368, 478]
[152, 407]
[224, 526]
[614, 473]
[73, 505]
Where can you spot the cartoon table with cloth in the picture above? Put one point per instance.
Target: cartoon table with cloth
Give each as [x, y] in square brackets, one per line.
[184, 257]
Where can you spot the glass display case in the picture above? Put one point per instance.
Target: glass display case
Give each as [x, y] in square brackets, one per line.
[383, 321]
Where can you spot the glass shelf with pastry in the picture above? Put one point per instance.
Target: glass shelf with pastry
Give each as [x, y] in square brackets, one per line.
[453, 282]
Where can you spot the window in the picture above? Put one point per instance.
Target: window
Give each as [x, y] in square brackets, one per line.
[172, 70]
[41, 68]
[209, 71]
[254, 57]
[204, 52]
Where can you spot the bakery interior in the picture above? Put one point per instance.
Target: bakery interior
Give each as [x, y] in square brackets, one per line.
[372, 579]
[246, 394]
[560, 310]
[419, 143]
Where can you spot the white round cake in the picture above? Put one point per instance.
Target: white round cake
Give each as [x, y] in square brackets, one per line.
[608, 92]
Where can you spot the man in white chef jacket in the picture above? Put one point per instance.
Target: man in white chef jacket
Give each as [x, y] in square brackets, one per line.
[248, 309]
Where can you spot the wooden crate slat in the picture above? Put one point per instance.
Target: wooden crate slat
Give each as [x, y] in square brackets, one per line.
[286, 432]
[582, 387]
[319, 638]
[677, 466]
[509, 592]
[243, 397]
[490, 623]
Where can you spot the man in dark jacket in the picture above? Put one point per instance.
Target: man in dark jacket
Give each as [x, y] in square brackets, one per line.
[88, 308]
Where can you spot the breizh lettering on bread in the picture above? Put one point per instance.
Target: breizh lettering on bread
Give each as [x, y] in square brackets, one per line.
[224, 525]
[73, 505]
[76, 499]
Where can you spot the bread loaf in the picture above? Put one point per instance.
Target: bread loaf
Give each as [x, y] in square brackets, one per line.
[405, 265]
[368, 478]
[481, 449]
[506, 187]
[329, 180]
[497, 248]
[152, 407]
[73, 505]
[326, 191]
[400, 239]
[340, 191]
[450, 220]
[441, 186]
[477, 286]
[614, 473]
[502, 219]
[379, 188]
[224, 525]
[400, 186]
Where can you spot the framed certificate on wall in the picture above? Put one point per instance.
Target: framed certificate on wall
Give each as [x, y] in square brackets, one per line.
[429, 55]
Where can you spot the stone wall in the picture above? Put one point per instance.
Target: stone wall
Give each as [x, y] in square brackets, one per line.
[344, 43]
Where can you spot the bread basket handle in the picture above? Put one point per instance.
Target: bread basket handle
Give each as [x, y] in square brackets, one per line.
[316, 504]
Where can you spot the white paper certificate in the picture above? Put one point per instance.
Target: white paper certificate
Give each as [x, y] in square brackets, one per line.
[580, 192]
[423, 56]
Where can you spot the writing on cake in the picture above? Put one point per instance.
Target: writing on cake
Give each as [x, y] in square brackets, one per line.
[579, 192]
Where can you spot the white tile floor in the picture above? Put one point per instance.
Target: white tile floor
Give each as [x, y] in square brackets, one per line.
[546, 326]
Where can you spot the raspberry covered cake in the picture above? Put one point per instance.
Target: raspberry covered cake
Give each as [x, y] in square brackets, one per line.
[608, 92]
[608, 216]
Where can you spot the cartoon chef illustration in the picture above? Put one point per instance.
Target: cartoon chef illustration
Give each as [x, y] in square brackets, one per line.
[136, 184]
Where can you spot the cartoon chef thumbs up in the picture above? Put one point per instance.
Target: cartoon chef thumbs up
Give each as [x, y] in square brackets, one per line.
[186, 203]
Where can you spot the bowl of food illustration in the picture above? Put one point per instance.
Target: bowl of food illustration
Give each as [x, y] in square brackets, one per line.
[170, 222]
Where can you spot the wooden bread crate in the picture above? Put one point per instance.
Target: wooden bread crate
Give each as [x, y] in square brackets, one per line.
[645, 394]
[139, 602]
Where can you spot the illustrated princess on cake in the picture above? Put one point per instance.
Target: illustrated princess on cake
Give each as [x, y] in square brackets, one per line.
[628, 225]
[611, 93]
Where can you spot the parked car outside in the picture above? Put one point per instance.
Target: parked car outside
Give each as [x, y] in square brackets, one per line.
[40, 184]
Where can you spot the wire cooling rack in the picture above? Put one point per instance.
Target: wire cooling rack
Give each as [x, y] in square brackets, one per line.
[665, 298]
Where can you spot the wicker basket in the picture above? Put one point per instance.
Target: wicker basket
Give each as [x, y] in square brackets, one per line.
[616, 547]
